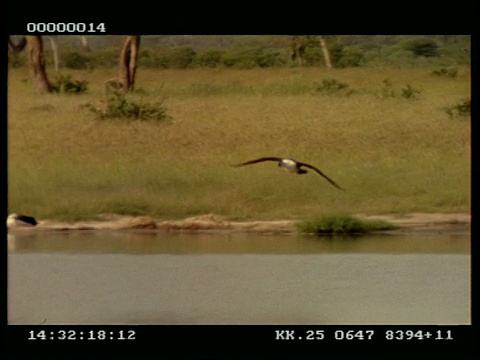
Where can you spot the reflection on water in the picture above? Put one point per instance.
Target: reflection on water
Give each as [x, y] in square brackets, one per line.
[208, 243]
[146, 278]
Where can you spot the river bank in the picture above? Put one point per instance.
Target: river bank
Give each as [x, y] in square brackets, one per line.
[458, 223]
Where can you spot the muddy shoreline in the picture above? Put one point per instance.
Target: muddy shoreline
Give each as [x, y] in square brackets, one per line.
[421, 223]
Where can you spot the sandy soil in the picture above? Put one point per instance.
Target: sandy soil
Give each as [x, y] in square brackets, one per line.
[415, 222]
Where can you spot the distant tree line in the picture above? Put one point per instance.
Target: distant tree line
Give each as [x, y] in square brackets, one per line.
[181, 52]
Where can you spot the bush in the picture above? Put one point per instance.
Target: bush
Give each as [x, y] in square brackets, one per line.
[65, 84]
[149, 59]
[461, 108]
[313, 56]
[75, 60]
[388, 91]
[421, 47]
[241, 58]
[409, 92]
[271, 58]
[208, 58]
[251, 56]
[342, 224]
[16, 60]
[350, 58]
[181, 57]
[333, 86]
[119, 107]
[106, 58]
[448, 72]
[336, 53]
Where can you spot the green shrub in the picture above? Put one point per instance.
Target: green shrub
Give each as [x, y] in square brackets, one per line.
[180, 57]
[16, 60]
[342, 224]
[448, 72]
[409, 92]
[337, 52]
[350, 58]
[118, 106]
[461, 108]
[241, 58]
[388, 91]
[106, 58]
[251, 56]
[75, 60]
[150, 59]
[65, 84]
[396, 56]
[313, 56]
[421, 47]
[209, 58]
[271, 58]
[333, 87]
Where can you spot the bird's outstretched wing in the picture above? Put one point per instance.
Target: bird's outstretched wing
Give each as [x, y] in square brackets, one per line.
[325, 176]
[268, 158]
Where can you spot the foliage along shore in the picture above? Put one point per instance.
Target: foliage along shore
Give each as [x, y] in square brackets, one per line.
[433, 223]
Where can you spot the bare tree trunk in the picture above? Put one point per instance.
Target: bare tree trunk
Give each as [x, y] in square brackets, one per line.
[85, 45]
[326, 53]
[128, 62]
[36, 61]
[16, 48]
[298, 50]
[54, 45]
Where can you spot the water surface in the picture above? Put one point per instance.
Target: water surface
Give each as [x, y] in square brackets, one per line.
[151, 278]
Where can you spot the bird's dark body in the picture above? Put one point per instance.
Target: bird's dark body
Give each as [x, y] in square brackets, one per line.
[27, 219]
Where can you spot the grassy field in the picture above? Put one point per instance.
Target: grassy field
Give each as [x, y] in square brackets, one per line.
[392, 154]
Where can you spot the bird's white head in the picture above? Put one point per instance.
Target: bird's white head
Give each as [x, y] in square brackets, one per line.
[288, 164]
[11, 220]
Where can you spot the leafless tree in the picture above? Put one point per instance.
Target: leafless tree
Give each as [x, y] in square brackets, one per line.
[85, 44]
[54, 45]
[16, 48]
[36, 61]
[300, 44]
[326, 52]
[125, 80]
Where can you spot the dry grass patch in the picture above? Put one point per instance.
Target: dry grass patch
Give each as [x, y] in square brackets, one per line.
[391, 155]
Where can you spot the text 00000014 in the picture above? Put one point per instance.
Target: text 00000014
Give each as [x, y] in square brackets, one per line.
[66, 27]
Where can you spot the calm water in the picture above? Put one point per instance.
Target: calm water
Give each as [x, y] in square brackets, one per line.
[149, 278]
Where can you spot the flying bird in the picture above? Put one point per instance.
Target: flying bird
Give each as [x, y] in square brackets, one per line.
[291, 166]
[16, 220]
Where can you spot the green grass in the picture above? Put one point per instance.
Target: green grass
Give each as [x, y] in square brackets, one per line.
[392, 155]
[342, 224]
